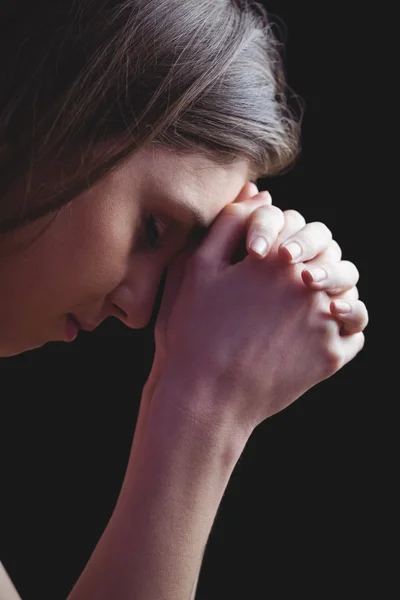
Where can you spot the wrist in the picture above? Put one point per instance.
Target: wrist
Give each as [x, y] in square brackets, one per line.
[190, 406]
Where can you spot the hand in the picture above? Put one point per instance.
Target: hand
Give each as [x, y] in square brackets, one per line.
[320, 253]
[240, 342]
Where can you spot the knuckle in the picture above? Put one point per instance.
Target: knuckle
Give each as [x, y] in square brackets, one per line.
[333, 359]
[269, 210]
[335, 250]
[363, 306]
[306, 240]
[364, 311]
[294, 217]
[246, 207]
[325, 230]
[349, 296]
[276, 213]
[317, 301]
[338, 293]
[266, 197]
[235, 209]
[266, 218]
[361, 342]
[356, 273]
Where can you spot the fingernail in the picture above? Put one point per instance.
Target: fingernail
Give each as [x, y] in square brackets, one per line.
[294, 250]
[259, 246]
[342, 307]
[317, 274]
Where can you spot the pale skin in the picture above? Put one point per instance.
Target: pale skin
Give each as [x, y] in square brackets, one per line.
[90, 263]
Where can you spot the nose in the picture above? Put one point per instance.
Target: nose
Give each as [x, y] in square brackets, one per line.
[133, 301]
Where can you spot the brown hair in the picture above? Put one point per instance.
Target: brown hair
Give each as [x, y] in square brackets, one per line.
[86, 83]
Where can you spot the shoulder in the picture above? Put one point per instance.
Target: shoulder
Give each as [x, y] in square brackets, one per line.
[7, 589]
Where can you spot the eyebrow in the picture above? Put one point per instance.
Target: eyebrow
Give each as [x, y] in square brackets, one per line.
[200, 224]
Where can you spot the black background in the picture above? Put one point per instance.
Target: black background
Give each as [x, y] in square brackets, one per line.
[292, 520]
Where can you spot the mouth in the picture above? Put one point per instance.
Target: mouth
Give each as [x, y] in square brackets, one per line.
[75, 325]
[72, 328]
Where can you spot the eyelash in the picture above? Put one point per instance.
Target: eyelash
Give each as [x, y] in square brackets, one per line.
[151, 225]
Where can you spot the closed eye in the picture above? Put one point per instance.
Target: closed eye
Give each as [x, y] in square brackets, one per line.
[155, 228]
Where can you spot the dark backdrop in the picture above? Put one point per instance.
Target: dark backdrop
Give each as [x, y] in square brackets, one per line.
[292, 521]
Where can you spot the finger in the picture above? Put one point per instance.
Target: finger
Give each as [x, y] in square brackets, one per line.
[352, 315]
[332, 278]
[306, 244]
[172, 278]
[351, 346]
[349, 296]
[226, 232]
[173, 281]
[294, 222]
[249, 191]
[264, 226]
[332, 254]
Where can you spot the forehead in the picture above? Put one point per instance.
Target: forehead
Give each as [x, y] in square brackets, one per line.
[187, 182]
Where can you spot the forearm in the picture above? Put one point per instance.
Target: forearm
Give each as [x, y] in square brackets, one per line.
[153, 546]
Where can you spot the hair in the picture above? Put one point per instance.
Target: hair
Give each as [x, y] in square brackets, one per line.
[86, 83]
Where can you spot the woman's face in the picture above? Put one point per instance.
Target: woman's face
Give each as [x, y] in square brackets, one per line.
[98, 259]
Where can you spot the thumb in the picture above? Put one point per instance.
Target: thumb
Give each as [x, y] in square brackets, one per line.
[221, 243]
[174, 277]
[177, 268]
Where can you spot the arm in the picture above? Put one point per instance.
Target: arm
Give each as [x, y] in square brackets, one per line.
[7, 589]
[193, 596]
[154, 543]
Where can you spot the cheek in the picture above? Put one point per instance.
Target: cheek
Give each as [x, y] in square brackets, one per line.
[99, 265]
[83, 267]
[98, 235]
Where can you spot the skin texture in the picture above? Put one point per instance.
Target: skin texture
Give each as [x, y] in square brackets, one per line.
[94, 260]
[235, 343]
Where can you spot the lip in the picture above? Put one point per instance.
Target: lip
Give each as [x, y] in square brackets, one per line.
[82, 325]
[72, 328]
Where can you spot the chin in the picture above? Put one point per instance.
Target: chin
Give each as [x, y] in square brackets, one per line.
[12, 350]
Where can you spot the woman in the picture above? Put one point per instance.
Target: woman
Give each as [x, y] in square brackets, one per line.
[110, 170]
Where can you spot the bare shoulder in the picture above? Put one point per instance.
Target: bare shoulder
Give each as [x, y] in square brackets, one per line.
[7, 588]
